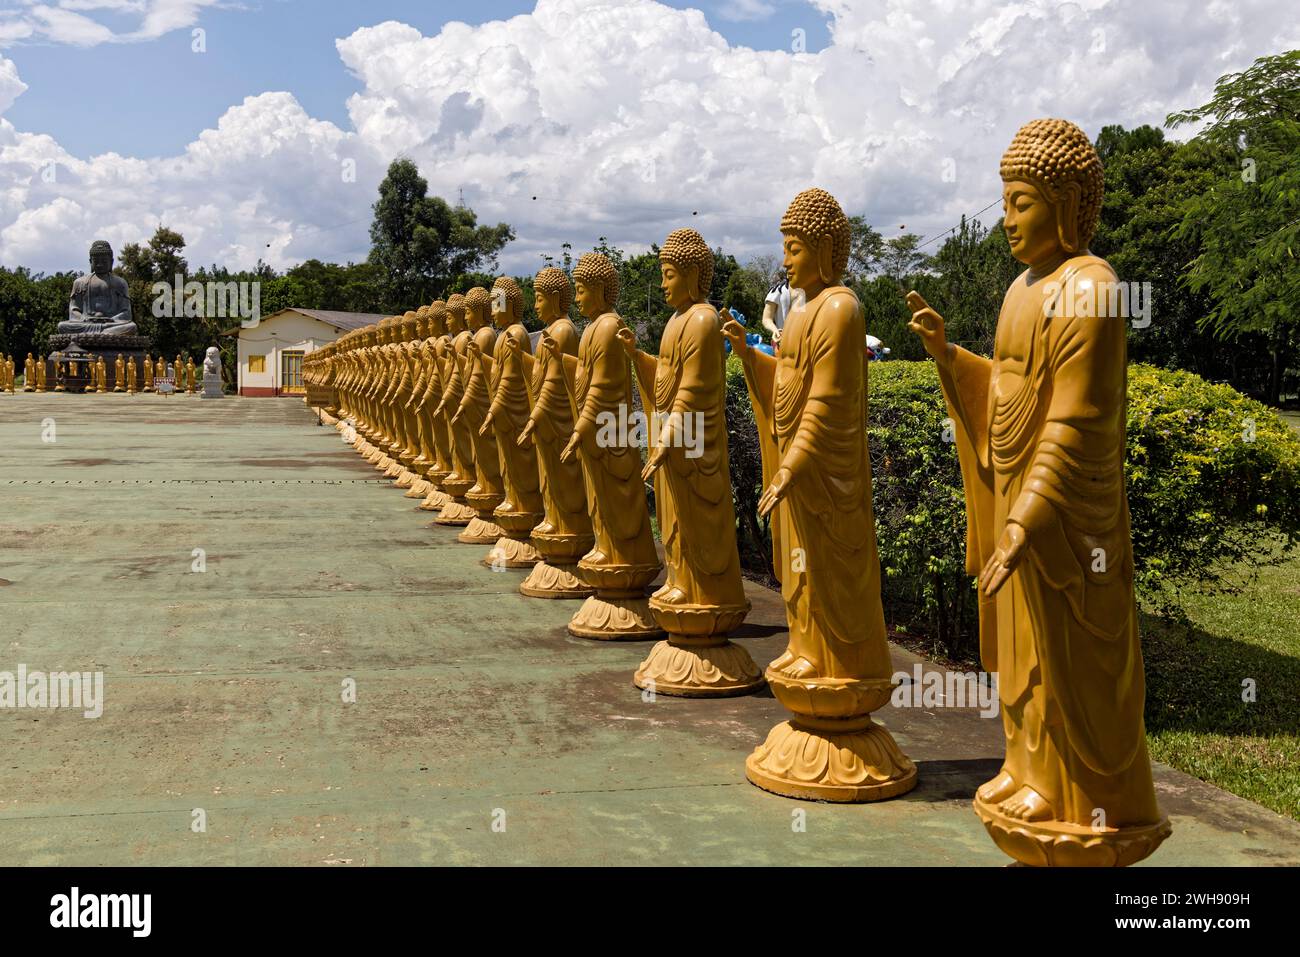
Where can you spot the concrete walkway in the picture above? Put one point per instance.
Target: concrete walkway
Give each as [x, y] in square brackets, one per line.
[223, 687]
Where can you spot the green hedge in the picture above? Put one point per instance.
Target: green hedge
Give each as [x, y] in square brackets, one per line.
[1213, 486]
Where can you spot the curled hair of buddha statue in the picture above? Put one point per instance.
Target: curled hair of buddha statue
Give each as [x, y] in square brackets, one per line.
[478, 297]
[456, 306]
[1058, 158]
[685, 248]
[514, 296]
[595, 269]
[101, 246]
[422, 323]
[815, 217]
[437, 317]
[553, 281]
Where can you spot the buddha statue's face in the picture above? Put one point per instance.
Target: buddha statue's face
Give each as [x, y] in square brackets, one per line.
[501, 313]
[1030, 222]
[590, 299]
[101, 261]
[679, 284]
[806, 263]
[547, 307]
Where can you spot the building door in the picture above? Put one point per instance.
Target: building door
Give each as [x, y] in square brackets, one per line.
[291, 373]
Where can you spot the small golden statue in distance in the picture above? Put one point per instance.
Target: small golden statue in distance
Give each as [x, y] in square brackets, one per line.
[1040, 438]
[40, 374]
[463, 477]
[521, 509]
[564, 535]
[191, 385]
[130, 375]
[101, 372]
[148, 374]
[119, 374]
[683, 391]
[810, 406]
[489, 491]
[29, 374]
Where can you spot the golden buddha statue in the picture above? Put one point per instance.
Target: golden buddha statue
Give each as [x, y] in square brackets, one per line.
[489, 489]
[29, 374]
[59, 375]
[148, 374]
[683, 391]
[810, 407]
[119, 374]
[434, 427]
[453, 374]
[405, 448]
[521, 509]
[1040, 437]
[101, 375]
[130, 375]
[564, 535]
[191, 382]
[40, 374]
[419, 486]
[623, 560]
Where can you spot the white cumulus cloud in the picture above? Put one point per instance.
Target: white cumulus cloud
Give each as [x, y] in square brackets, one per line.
[628, 118]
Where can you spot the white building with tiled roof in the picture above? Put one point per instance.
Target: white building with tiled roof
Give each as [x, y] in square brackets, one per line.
[271, 352]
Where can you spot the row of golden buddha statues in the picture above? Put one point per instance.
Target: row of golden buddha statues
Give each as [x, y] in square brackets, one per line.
[127, 376]
[510, 442]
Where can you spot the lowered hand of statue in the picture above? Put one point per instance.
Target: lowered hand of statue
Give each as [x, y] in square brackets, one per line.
[775, 492]
[1005, 558]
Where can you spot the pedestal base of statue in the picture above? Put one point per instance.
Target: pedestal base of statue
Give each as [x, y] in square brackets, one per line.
[326, 418]
[435, 501]
[620, 609]
[480, 530]
[1061, 844]
[697, 660]
[556, 575]
[419, 489]
[98, 345]
[548, 580]
[212, 387]
[831, 750]
[513, 549]
[456, 511]
[405, 479]
[509, 552]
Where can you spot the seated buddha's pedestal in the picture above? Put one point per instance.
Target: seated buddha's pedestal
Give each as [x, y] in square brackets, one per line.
[105, 346]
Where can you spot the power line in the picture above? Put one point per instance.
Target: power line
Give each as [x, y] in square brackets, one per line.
[939, 236]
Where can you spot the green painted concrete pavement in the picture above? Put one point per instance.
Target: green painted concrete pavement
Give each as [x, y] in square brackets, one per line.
[474, 707]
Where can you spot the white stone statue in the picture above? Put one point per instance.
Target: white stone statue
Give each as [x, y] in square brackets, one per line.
[212, 374]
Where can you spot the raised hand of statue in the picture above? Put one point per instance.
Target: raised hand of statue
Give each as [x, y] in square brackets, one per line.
[657, 458]
[551, 346]
[486, 427]
[628, 338]
[571, 450]
[472, 347]
[513, 344]
[735, 334]
[1005, 558]
[774, 492]
[526, 434]
[928, 325]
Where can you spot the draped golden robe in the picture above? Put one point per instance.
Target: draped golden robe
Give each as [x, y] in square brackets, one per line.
[1040, 437]
[685, 390]
[564, 495]
[510, 410]
[810, 405]
[600, 383]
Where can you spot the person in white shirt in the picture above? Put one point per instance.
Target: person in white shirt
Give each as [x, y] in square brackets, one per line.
[775, 309]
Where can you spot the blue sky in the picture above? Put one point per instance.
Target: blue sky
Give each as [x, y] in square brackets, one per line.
[152, 98]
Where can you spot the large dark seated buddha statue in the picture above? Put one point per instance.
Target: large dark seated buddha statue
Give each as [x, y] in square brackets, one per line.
[99, 303]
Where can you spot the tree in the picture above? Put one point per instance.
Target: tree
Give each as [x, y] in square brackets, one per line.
[421, 243]
[1247, 223]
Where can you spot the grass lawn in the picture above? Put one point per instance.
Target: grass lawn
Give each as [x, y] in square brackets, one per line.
[1196, 718]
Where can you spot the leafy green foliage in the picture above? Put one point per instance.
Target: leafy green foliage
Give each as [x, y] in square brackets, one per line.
[1213, 486]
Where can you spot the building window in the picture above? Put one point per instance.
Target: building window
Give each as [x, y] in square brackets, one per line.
[256, 364]
[291, 371]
